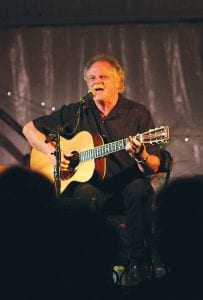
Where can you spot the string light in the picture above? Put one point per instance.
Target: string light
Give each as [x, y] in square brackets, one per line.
[34, 106]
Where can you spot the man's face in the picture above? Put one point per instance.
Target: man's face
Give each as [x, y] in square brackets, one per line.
[102, 78]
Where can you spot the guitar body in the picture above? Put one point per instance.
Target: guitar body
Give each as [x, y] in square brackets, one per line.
[89, 155]
[83, 171]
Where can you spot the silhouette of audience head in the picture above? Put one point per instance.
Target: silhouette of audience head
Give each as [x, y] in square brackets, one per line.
[179, 235]
[179, 223]
[49, 248]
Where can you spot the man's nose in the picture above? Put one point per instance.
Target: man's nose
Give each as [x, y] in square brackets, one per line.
[98, 79]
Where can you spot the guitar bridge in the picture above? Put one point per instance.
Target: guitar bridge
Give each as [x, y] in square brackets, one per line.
[64, 175]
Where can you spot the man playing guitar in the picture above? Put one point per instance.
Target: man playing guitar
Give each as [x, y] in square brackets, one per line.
[106, 152]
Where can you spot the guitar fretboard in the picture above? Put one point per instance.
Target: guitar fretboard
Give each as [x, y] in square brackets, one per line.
[103, 150]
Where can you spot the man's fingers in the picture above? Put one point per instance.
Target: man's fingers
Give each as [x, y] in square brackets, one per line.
[67, 156]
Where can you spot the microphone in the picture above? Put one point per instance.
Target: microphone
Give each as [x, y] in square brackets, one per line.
[87, 97]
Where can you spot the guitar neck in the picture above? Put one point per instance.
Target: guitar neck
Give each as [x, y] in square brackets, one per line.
[156, 135]
[105, 149]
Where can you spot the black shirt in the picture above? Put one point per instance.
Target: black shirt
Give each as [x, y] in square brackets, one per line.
[126, 118]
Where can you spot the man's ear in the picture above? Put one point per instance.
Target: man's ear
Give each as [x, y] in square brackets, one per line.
[117, 79]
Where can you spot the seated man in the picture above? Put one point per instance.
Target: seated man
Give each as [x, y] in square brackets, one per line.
[119, 180]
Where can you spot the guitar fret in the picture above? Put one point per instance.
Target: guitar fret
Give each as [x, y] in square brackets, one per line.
[86, 155]
[97, 151]
[90, 153]
[107, 148]
[81, 156]
[93, 153]
[102, 150]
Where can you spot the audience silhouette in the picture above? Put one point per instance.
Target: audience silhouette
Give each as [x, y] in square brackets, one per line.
[61, 249]
[52, 248]
[179, 235]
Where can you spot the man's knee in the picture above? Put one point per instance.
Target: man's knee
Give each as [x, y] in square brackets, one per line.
[84, 190]
[138, 190]
[140, 185]
[92, 194]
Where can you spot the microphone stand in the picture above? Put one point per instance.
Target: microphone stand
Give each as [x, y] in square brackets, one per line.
[56, 138]
[58, 162]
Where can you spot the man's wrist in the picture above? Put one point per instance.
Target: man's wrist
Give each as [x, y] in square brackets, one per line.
[139, 152]
[144, 159]
[142, 156]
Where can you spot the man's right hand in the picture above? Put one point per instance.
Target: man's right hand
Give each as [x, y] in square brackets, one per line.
[65, 160]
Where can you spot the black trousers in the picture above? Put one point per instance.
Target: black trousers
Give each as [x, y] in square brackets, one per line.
[134, 201]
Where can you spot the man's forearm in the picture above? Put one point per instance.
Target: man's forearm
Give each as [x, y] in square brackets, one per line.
[149, 162]
[37, 139]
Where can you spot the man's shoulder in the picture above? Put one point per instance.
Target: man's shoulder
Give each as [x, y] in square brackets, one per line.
[70, 107]
[133, 104]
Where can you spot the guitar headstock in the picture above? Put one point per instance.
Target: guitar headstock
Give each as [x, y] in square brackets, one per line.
[155, 136]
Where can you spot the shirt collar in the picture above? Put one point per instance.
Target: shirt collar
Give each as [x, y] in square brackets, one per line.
[121, 107]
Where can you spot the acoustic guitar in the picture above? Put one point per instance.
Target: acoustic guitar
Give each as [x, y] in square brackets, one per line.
[89, 155]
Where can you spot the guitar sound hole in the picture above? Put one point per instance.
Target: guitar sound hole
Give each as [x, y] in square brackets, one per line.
[74, 161]
[64, 175]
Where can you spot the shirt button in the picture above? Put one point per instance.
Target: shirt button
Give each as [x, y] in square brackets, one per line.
[103, 121]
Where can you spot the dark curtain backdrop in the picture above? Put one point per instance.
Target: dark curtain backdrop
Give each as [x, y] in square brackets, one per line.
[41, 69]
